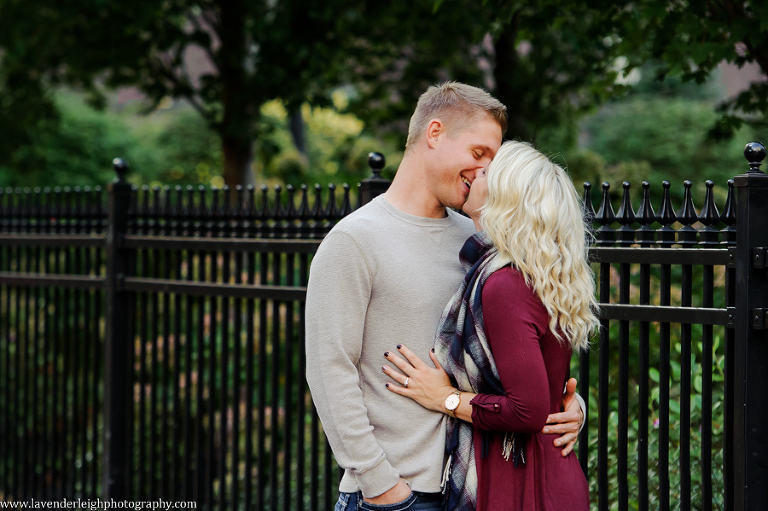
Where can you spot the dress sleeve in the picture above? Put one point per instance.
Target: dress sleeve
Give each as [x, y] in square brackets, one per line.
[338, 293]
[514, 321]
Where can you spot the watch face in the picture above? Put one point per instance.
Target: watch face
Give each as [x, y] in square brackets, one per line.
[452, 401]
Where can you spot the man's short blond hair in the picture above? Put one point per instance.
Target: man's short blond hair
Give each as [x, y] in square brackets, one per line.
[456, 104]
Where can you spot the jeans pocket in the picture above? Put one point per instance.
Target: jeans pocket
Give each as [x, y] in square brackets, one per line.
[343, 503]
[397, 506]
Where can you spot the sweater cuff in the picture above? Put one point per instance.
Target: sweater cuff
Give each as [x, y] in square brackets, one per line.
[583, 409]
[377, 479]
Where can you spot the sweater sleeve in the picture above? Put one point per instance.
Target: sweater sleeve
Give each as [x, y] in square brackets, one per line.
[338, 293]
[512, 318]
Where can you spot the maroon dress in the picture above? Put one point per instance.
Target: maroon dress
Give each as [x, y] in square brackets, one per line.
[533, 366]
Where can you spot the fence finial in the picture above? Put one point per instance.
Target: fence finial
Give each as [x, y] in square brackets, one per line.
[377, 162]
[121, 168]
[754, 152]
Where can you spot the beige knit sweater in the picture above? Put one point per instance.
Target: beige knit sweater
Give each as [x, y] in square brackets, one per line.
[380, 278]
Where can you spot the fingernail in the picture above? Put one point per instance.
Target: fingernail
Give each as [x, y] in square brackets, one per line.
[384, 368]
[387, 385]
[546, 430]
[432, 350]
[399, 346]
[386, 353]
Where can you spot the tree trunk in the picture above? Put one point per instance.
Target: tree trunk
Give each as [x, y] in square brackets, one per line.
[508, 83]
[239, 103]
[238, 154]
[297, 132]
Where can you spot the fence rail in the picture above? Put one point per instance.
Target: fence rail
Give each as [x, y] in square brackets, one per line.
[152, 345]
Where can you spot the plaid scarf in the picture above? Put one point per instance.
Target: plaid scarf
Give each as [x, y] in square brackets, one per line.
[462, 349]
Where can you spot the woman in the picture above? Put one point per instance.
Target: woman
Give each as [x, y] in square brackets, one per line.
[505, 341]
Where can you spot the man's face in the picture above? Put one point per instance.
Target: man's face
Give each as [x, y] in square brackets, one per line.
[477, 195]
[458, 160]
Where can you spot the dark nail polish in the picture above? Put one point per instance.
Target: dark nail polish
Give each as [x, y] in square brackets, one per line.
[387, 385]
[399, 346]
[386, 353]
[432, 350]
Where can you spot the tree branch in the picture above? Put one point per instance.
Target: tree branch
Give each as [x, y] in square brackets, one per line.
[207, 49]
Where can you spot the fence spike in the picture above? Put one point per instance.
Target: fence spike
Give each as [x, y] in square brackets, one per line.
[586, 203]
[359, 196]
[646, 216]
[225, 220]
[227, 200]
[290, 214]
[346, 205]
[667, 214]
[291, 211]
[645, 212]
[317, 210]
[214, 214]
[200, 211]
[238, 214]
[304, 204]
[626, 217]
[709, 214]
[728, 217]
[605, 217]
[304, 213]
[667, 217]
[263, 210]
[709, 217]
[331, 212]
[687, 214]
[277, 211]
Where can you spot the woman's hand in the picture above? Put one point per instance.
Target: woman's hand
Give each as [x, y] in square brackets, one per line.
[428, 386]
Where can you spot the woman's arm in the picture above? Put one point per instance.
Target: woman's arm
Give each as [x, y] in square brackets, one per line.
[429, 386]
[514, 322]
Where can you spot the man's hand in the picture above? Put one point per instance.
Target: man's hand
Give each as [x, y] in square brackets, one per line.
[566, 423]
[397, 493]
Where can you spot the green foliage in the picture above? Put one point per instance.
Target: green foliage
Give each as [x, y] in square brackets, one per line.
[175, 146]
[252, 53]
[657, 139]
[74, 148]
[690, 39]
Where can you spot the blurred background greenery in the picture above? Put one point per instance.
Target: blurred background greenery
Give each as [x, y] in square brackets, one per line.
[208, 92]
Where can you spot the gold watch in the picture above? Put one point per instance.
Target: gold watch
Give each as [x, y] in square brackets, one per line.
[452, 402]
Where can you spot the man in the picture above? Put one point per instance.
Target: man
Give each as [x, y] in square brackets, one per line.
[382, 277]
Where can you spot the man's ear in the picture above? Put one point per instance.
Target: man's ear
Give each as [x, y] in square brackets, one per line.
[435, 128]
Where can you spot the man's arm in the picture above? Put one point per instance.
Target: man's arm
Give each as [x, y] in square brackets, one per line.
[338, 293]
[568, 423]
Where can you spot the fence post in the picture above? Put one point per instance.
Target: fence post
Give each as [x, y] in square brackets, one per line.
[375, 184]
[117, 342]
[750, 368]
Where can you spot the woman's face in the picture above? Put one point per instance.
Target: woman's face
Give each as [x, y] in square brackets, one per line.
[477, 194]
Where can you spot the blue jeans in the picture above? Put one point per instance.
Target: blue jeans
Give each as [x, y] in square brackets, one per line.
[417, 501]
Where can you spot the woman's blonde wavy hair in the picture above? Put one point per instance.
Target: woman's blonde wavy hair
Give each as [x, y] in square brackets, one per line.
[533, 215]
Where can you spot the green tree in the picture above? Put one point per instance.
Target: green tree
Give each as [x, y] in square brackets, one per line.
[548, 61]
[691, 38]
[385, 55]
[256, 51]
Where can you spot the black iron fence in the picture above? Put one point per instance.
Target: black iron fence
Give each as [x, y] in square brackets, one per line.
[151, 346]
